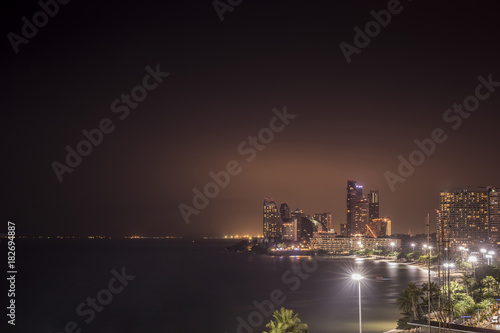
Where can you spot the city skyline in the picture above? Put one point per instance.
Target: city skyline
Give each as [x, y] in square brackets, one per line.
[277, 165]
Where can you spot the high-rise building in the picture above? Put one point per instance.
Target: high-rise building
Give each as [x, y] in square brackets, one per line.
[354, 194]
[284, 212]
[373, 205]
[343, 229]
[380, 227]
[464, 216]
[494, 215]
[360, 216]
[326, 219]
[310, 227]
[298, 214]
[272, 221]
[290, 229]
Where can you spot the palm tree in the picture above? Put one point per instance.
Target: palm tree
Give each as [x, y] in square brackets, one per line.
[286, 322]
[491, 287]
[463, 305]
[434, 291]
[467, 280]
[409, 298]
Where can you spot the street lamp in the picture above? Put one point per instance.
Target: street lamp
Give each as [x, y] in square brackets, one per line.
[412, 247]
[483, 251]
[358, 277]
[473, 260]
[461, 248]
[447, 281]
[392, 247]
[488, 257]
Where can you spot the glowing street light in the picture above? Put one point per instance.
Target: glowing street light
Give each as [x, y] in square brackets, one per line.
[473, 260]
[412, 247]
[449, 265]
[392, 246]
[483, 251]
[358, 277]
[488, 257]
[461, 248]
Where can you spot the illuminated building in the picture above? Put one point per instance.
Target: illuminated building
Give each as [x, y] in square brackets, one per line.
[271, 221]
[494, 215]
[379, 227]
[343, 229]
[298, 214]
[290, 229]
[326, 219]
[341, 245]
[359, 216]
[353, 193]
[469, 217]
[310, 227]
[373, 205]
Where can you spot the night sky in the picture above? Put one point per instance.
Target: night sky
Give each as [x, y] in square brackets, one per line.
[225, 78]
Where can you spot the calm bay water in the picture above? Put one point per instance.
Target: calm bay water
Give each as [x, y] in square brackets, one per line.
[182, 286]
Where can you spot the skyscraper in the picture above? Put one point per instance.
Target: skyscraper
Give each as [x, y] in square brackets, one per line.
[353, 193]
[290, 229]
[326, 219]
[343, 229]
[357, 209]
[298, 214]
[379, 227]
[360, 216]
[271, 221]
[373, 205]
[284, 212]
[494, 215]
[468, 216]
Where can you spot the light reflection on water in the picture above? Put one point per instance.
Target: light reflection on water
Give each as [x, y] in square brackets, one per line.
[333, 295]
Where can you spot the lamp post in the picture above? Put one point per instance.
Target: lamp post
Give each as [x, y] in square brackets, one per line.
[483, 251]
[358, 277]
[473, 260]
[412, 247]
[392, 247]
[488, 256]
[447, 281]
